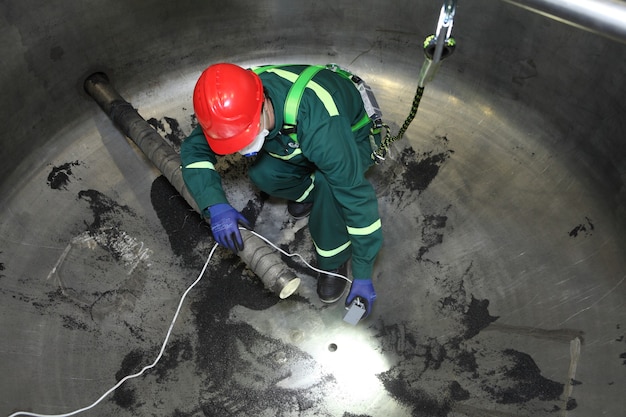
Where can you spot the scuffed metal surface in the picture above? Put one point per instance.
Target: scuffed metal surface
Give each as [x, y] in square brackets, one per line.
[501, 281]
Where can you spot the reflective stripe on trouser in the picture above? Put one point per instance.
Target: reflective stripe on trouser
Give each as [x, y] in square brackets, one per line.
[328, 229]
[326, 224]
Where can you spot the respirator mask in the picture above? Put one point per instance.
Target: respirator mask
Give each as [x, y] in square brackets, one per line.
[255, 146]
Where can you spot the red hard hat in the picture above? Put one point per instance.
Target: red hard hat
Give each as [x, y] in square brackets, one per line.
[228, 101]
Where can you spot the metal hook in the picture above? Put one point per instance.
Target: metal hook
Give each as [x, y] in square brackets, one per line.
[446, 18]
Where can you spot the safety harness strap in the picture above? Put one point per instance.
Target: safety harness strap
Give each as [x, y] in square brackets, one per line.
[292, 103]
[296, 91]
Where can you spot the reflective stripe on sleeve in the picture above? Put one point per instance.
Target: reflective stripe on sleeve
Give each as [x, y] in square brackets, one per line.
[362, 231]
[286, 157]
[201, 165]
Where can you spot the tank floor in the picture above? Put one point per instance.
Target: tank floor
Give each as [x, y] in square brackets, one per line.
[500, 288]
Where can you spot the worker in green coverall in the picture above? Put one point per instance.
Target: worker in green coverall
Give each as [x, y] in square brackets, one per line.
[317, 162]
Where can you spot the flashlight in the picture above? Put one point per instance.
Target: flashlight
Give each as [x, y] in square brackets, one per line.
[356, 311]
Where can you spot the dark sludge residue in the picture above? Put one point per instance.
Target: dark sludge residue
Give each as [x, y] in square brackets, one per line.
[105, 210]
[522, 381]
[466, 362]
[242, 350]
[177, 351]
[59, 177]
[72, 323]
[124, 396]
[457, 392]
[174, 134]
[585, 228]
[431, 233]
[424, 405]
[228, 284]
[420, 173]
[477, 317]
[108, 216]
[185, 228]
[571, 404]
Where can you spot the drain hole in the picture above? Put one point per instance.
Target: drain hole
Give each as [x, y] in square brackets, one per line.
[332, 347]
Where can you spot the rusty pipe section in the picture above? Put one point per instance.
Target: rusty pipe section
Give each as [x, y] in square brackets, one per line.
[603, 17]
[260, 258]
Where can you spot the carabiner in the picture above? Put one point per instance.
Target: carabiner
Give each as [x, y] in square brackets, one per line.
[446, 18]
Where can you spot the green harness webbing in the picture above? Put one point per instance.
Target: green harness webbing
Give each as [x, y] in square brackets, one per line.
[380, 153]
[296, 91]
[427, 72]
[304, 80]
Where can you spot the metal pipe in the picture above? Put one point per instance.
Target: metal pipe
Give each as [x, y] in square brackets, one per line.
[267, 265]
[260, 258]
[136, 128]
[604, 17]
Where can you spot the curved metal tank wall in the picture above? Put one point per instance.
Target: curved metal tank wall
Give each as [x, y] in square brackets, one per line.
[501, 283]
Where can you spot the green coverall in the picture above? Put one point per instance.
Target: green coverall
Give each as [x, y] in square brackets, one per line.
[326, 166]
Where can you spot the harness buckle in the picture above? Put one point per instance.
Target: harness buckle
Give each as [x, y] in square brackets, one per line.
[288, 129]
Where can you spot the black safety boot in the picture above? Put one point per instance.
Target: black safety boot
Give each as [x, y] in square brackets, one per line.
[299, 210]
[329, 287]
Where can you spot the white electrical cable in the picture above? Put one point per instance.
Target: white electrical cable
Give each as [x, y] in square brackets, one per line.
[116, 386]
[169, 331]
[291, 255]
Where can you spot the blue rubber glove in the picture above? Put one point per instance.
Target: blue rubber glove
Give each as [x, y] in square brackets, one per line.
[225, 225]
[364, 289]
